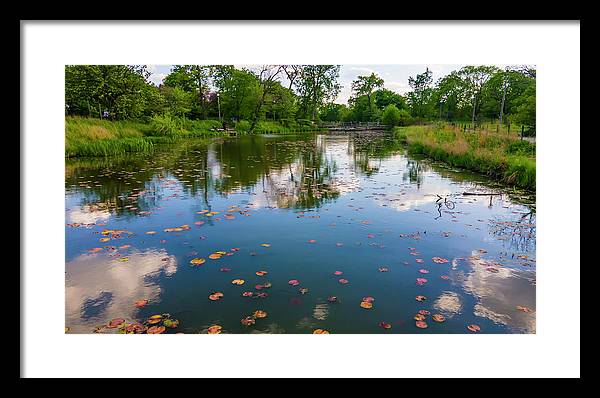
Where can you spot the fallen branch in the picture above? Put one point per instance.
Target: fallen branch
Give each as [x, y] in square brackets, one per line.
[480, 194]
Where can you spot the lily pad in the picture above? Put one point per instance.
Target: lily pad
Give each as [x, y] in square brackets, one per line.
[197, 261]
[214, 329]
[366, 304]
[438, 317]
[385, 325]
[156, 330]
[421, 324]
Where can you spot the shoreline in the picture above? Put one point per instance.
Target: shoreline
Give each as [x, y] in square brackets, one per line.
[503, 158]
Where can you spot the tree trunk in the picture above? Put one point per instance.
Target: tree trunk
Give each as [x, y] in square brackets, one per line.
[257, 111]
[502, 104]
[473, 115]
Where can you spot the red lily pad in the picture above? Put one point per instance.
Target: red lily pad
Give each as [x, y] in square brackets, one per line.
[156, 330]
[368, 299]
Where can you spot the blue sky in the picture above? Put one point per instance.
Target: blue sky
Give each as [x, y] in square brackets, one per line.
[395, 76]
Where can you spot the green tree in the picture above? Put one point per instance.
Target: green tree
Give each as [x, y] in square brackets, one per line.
[239, 92]
[194, 79]
[333, 112]
[475, 78]
[179, 101]
[526, 107]
[420, 96]
[384, 97]
[364, 86]
[316, 85]
[451, 96]
[391, 116]
[267, 80]
[121, 90]
[502, 90]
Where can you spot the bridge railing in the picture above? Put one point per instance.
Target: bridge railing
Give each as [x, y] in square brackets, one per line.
[350, 125]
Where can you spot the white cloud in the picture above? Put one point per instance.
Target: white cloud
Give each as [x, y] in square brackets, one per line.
[362, 69]
[157, 78]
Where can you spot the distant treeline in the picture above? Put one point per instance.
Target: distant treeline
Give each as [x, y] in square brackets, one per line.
[297, 95]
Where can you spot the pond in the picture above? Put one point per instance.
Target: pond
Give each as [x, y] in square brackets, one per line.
[344, 233]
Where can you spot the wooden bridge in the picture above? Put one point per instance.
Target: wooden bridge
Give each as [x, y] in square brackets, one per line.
[353, 126]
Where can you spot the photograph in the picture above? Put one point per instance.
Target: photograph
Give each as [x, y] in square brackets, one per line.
[300, 199]
[235, 187]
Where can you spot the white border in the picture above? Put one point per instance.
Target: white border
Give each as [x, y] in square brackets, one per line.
[552, 352]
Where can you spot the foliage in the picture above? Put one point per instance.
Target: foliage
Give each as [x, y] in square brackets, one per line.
[384, 97]
[194, 93]
[391, 116]
[333, 112]
[363, 87]
[500, 156]
[420, 96]
[120, 90]
[316, 85]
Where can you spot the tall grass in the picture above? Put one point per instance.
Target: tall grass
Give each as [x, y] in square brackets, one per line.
[107, 147]
[500, 156]
[96, 137]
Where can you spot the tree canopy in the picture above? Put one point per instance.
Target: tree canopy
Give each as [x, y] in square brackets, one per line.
[305, 93]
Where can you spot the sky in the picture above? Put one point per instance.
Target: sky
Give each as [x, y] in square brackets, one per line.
[395, 76]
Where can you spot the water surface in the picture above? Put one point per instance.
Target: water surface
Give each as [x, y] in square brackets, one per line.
[300, 208]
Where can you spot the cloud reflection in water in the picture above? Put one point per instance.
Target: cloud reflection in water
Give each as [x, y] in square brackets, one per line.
[99, 288]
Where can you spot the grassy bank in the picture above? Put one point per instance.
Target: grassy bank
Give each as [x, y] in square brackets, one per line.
[96, 137]
[500, 156]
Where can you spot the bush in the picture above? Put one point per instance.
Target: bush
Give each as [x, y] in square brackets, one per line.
[405, 118]
[243, 126]
[521, 147]
[391, 116]
[166, 125]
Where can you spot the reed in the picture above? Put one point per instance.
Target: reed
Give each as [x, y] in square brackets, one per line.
[500, 156]
[107, 147]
